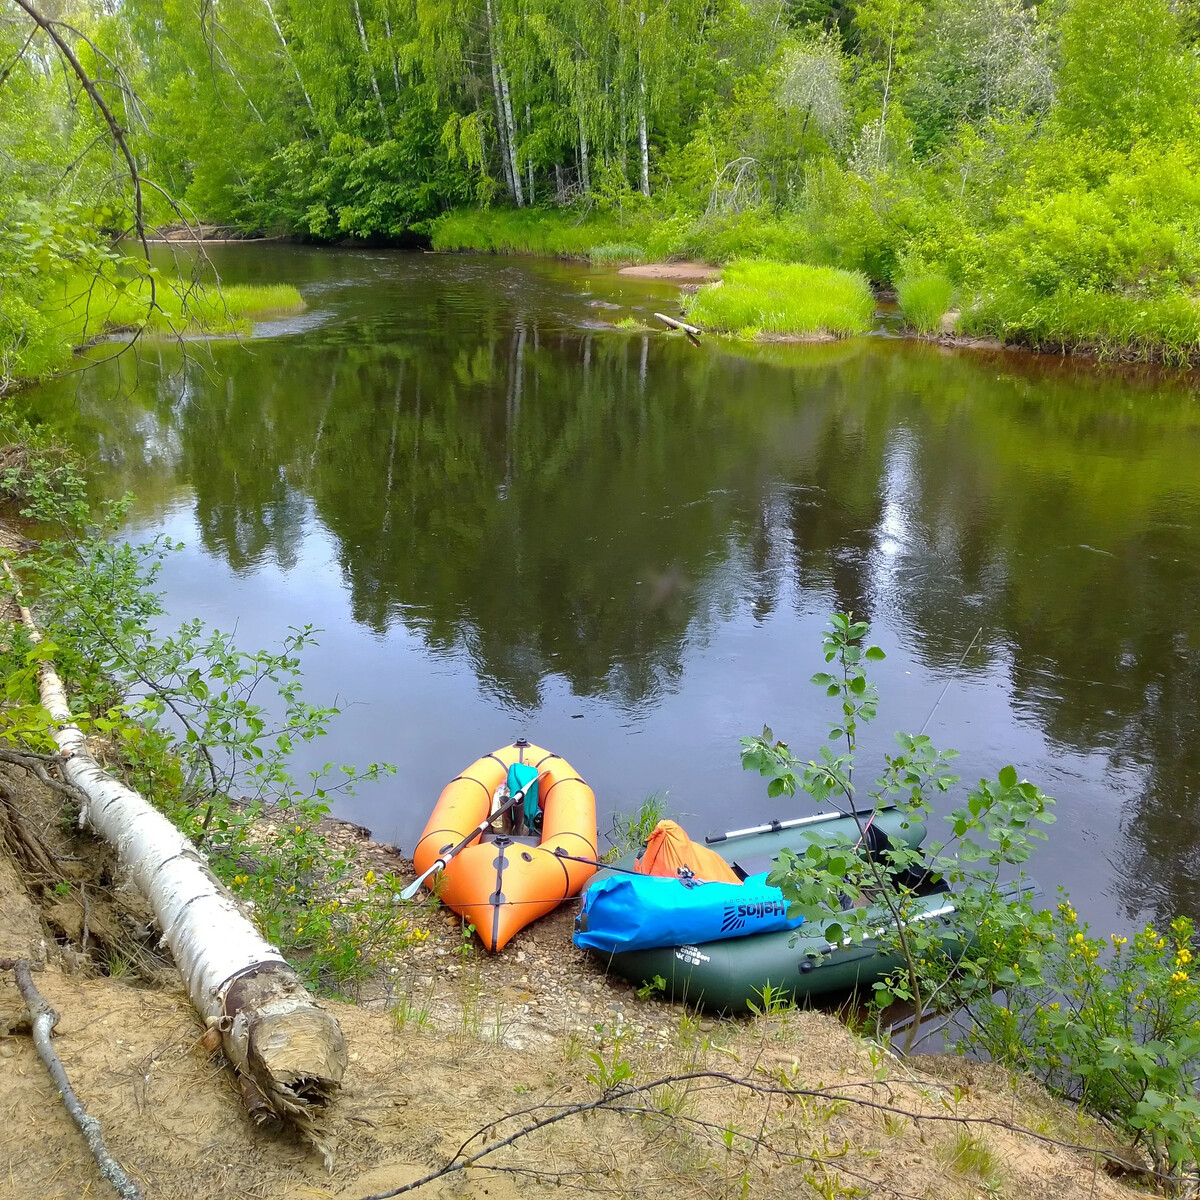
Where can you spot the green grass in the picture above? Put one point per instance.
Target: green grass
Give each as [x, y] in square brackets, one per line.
[612, 254]
[925, 300]
[630, 830]
[527, 231]
[38, 333]
[1162, 329]
[86, 308]
[756, 298]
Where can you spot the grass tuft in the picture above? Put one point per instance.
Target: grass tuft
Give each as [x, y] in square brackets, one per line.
[630, 830]
[756, 298]
[614, 252]
[925, 300]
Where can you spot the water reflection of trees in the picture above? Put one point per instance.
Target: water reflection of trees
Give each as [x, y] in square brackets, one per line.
[565, 503]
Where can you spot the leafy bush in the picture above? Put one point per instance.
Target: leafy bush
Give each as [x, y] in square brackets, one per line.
[833, 882]
[924, 300]
[1114, 1026]
[765, 297]
[184, 720]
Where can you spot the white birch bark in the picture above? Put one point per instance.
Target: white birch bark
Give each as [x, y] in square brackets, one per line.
[506, 110]
[362, 37]
[287, 52]
[529, 159]
[501, 126]
[643, 141]
[387, 29]
[584, 177]
[289, 1054]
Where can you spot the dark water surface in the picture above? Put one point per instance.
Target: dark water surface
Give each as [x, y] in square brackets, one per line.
[512, 519]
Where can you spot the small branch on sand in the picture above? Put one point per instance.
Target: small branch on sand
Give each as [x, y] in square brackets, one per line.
[44, 1020]
[541, 1116]
[692, 331]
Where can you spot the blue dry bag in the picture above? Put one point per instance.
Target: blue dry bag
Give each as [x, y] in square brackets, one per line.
[637, 912]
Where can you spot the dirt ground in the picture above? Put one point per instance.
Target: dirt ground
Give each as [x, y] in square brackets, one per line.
[684, 272]
[452, 1044]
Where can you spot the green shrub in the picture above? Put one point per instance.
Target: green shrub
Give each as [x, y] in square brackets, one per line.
[775, 299]
[924, 300]
[1115, 1027]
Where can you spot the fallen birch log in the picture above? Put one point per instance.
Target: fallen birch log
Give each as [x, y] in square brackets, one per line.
[693, 331]
[289, 1054]
[43, 1019]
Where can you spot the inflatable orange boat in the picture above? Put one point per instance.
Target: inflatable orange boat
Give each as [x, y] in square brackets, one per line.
[506, 880]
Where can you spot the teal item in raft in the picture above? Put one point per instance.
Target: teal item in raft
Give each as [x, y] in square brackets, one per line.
[639, 912]
[519, 774]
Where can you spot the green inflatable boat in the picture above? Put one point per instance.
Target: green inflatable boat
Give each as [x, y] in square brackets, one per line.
[735, 973]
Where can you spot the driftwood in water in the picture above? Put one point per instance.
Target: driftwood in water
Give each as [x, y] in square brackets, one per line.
[44, 1019]
[289, 1054]
[692, 331]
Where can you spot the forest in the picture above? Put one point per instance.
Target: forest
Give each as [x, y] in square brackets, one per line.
[1033, 168]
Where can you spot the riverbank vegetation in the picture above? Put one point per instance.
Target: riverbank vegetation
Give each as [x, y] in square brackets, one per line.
[1040, 160]
[1113, 1026]
[755, 299]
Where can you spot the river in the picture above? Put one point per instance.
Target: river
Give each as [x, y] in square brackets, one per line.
[511, 518]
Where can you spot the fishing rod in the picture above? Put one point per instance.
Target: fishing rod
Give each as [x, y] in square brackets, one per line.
[440, 864]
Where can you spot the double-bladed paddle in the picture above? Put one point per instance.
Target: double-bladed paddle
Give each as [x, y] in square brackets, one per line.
[518, 797]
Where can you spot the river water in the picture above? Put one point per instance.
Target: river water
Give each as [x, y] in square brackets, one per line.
[511, 518]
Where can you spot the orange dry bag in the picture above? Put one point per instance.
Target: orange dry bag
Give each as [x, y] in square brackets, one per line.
[668, 849]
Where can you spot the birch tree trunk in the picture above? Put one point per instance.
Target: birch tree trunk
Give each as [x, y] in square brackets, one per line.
[643, 142]
[362, 37]
[501, 125]
[506, 110]
[287, 53]
[387, 30]
[584, 177]
[529, 158]
[289, 1055]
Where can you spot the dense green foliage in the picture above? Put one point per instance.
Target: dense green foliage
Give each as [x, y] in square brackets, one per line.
[1041, 159]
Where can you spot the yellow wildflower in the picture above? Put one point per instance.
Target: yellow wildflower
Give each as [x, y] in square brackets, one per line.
[369, 878]
[1118, 941]
[1183, 956]
[1179, 977]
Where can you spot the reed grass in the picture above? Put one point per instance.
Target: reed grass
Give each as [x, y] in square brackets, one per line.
[71, 312]
[613, 253]
[925, 300]
[526, 231]
[1133, 328]
[756, 298]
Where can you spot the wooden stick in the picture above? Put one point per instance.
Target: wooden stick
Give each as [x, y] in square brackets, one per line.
[44, 1020]
[692, 331]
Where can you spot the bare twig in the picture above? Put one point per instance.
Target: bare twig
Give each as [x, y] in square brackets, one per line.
[44, 1020]
[611, 1101]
